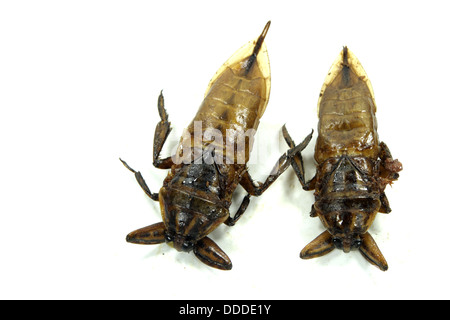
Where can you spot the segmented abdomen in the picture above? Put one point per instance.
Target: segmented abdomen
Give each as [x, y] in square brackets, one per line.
[216, 145]
[231, 111]
[233, 102]
[347, 123]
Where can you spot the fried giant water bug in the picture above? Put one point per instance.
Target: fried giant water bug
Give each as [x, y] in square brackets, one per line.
[353, 166]
[197, 192]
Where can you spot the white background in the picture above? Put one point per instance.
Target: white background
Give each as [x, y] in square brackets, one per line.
[79, 82]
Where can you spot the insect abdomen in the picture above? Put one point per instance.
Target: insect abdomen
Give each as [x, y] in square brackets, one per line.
[235, 100]
[347, 123]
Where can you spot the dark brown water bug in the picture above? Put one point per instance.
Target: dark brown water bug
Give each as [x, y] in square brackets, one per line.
[353, 166]
[197, 192]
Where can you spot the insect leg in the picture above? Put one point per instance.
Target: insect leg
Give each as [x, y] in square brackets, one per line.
[297, 163]
[384, 151]
[313, 212]
[385, 208]
[256, 189]
[248, 184]
[152, 234]
[162, 131]
[141, 181]
[208, 252]
[390, 167]
[320, 246]
[244, 204]
[371, 252]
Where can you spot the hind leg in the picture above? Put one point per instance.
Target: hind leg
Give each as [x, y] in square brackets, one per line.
[256, 188]
[231, 221]
[297, 162]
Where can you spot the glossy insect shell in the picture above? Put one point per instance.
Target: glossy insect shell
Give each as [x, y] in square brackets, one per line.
[353, 166]
[195, 198]
[235, 100]
[347, 192]
[346, 110]
[211, 158]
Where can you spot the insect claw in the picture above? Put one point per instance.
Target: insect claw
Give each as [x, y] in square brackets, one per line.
[152, 234]
[320, 246]
[300, 147]
[127, 166]
[208, 252]
[371, 252]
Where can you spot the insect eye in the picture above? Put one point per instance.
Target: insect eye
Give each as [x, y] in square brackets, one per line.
[337, 243]
[187, 246]
[357, 243]
[168, 237]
